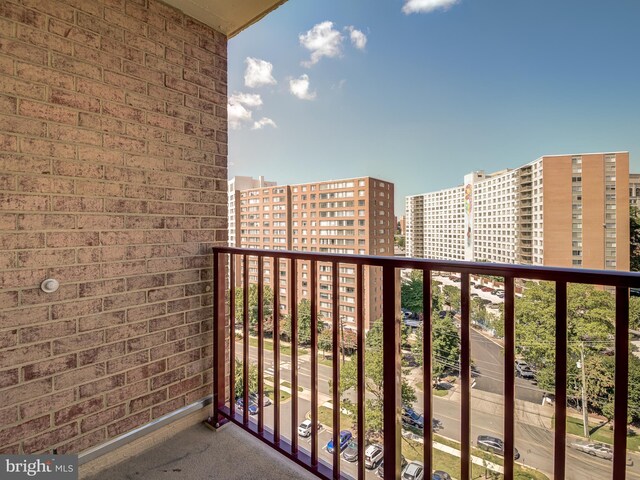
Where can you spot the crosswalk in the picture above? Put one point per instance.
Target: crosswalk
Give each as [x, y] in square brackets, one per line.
[283, 366]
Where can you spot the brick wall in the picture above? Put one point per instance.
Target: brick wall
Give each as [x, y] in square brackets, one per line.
[113, 144]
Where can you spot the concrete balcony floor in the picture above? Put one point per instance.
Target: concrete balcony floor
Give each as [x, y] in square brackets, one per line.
[198, 453]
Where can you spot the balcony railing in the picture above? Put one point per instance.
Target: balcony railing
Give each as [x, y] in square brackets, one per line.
[224, 405]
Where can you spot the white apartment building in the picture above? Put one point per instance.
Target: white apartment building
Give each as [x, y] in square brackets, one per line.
[558, 210]
[234, 186]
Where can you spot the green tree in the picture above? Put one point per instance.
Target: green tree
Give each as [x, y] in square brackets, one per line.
[252, 379]
[634, 312]
[634, 240]
[590, 313]
[304, 323]
[253, 305]
[452, 296]
[479, 310]
[373, 368]
[325, 341]
[411, 293]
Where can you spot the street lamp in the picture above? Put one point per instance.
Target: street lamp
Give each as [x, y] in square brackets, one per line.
[342, 319]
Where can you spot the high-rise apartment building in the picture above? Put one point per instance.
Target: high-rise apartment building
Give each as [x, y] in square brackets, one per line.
[234, 186]
[352, 216]
[634, 189]
[559, 210]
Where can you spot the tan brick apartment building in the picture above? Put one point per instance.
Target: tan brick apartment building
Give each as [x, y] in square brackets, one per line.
[113, 181]
[352, 216]
[559, 210]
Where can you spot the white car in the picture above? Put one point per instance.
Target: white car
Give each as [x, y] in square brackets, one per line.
[413, 471]
[304, 429]
[373, 456]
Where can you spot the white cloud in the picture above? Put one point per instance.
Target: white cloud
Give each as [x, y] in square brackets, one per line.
[426, 6]
[358, 39]
[322, 41]
[238, 108]
[258, 73]
[263, 122]
[300, 88]
[248, 99]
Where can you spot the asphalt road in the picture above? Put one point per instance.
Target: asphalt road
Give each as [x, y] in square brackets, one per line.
[534, 443]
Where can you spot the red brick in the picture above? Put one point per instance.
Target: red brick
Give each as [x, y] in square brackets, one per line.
[167, 378]
[76, 308]
[46, 185]
[8, 104]
[54, 9]
[9, 377]
[23, 51]
[145, 132]
[8, 143]
[85, 442]
[179, 195]
[77, 342]
[185, 386]
[145, 281]
[74, 134]
[121, 111]
[120, 49]
[128, 361]
[146, 371]
[128, 423]
[125, 82]
[23, 202]
[74, 100]
[100, 222]
[47, 331]
[25, 429]
[147, 401]
[17, 356]
[73, 33]
[167, 407]
[125, 143]
[22, 316]
[146, 341]
[101, 287]
[47, 148]
[78, 410]
[101, 123]
[79, 376]
[126, 393]
[36, 296]
[92, 23]
[72, 239]
[100, 354]
[88, 187]
[8, 338]
[26, 391]
[7, 221]
[146, 311]
[165, 94]
[77, 204]
[93, 8]
[45, 441]
[8, 416]
[48, 76]
[102, 418]
[98, 57]
[24, 126]
[116, 302]
[183, 359]
[167, 349]
[49, 112]
[101, 386]
[100, 321]
[76, 273]
[128, 175]
[77, 67]
[49, 367]
[12, 241]
[99, 90]
[161, 65]
[45, 258]
[143, 73]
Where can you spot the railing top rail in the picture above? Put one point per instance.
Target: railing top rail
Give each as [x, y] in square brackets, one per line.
[528, 272]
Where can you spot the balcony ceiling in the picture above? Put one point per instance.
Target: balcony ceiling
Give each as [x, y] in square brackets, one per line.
[227, 16]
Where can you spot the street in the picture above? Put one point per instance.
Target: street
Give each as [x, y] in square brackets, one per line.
[534, 437]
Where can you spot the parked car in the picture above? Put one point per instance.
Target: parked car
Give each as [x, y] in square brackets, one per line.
[440, 475]
[499, 293]
[345, 436]
[436, 424]
[486, 289]
[413, 471]
[373, 456]
[596, 449]
[253, 408]
[494, 445]
[350, 453]
[524, 370]
[380, 471]
[266, 401]
[412, 418]
[304, 429]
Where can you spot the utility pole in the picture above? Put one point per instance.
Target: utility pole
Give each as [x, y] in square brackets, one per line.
[585, 413]
[342, 337]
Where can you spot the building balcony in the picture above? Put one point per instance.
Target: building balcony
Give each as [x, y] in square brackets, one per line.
[549, 449]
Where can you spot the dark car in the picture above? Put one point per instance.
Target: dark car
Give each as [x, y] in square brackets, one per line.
[494, 445]
[253, 408]
[440, 475]
[436, 424]
[350, 453]
[412, 418]
[345, 436]
[380, 471]
[266, 401]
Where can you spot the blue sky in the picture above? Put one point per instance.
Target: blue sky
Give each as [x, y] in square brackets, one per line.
[438, 90]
